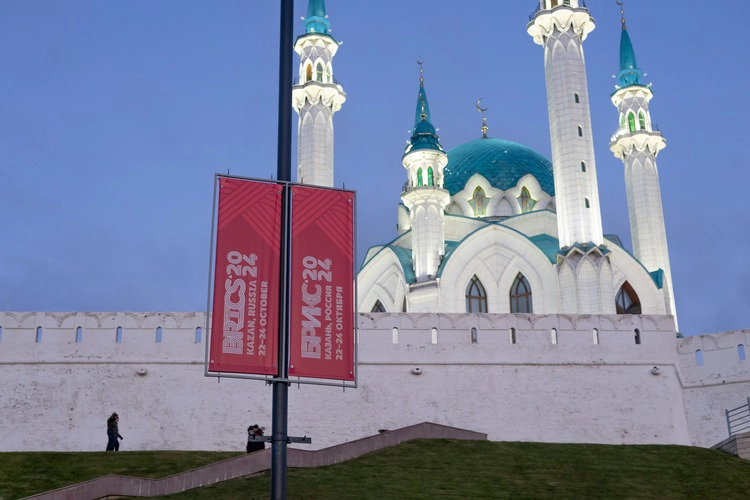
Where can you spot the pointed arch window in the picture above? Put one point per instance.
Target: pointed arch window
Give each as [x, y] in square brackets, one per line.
[631, 122]
[520, 296]
[403, 305]
[319, 72]
[378, 307]
[642, 120]
[622, 121]
[627, 301]
[476, 296]
[419, 177]
[308, 73]
[430, 177]
[525, 200]
[479, 202]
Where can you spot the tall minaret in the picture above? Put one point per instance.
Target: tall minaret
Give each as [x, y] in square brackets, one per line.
[316, 98]
[424, 195]
[561, 27]
[636, 143]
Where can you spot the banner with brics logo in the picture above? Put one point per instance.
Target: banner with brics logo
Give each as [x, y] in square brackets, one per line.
[247, 294]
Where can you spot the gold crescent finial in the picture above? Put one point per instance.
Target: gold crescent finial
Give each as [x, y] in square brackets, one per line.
[484, 117]
[622, 12]
[421, 71]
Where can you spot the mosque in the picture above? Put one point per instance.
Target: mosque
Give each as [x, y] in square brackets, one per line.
[500, 306]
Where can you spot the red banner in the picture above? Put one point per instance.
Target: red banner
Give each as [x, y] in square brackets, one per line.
[245, 321]
[322, 284]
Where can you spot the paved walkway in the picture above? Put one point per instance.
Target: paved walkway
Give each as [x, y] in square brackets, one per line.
[253, 463]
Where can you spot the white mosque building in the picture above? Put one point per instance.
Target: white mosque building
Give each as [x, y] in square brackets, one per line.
[493, 226]
[500, 306]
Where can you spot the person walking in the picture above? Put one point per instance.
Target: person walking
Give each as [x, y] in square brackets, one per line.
[113, 433]
[254, 431]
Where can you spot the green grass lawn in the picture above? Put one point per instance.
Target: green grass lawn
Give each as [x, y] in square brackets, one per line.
[429, 469]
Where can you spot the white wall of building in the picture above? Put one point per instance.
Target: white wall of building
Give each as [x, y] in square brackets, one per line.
[56, 394]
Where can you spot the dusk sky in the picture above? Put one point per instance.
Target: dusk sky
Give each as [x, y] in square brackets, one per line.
[115, 116]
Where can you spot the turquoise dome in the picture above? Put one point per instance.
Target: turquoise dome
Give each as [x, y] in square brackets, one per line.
[501, 162]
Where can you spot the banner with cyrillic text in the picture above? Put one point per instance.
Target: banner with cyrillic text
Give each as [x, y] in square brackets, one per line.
[322, 284]
[244, 325]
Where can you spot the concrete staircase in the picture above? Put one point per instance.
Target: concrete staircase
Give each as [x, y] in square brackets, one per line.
[253, 463]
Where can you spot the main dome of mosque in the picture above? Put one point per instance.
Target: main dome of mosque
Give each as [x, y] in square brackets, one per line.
[503, 163]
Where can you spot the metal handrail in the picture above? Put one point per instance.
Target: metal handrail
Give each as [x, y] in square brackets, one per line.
[738, 419]
[332, 82]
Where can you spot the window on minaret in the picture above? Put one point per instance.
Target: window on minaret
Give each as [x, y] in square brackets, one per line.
[627, 301]
[526, 202]
[642, 120]
[586, 202]
[583, 166]
[631, 122]
[319, 72]
[419, 177]
[479, 202]
[580, 131]
[578, 100]
[520, 296]
[378, 307]
[430, 177]
[476, 297]
[328, 74]
[308, 73]
[622, 121]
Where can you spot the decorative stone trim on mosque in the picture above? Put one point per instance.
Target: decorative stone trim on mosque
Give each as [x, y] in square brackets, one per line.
[252, 463]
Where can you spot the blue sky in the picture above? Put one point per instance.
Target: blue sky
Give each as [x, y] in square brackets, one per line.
[114, 117]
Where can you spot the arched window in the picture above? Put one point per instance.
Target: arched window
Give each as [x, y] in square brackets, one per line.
[378, 307]
[403, 306]
[430, 177]
[741, 352]
[158, 335]
[699, 357]
[308, 73]
[520, 296]
[198, 335]
[627, 301]
[479, 202]
[79, 335]
[329, 79]
[394, 335]
[473, 335]
[434, 335]
[586, 203]
[118, 335]
[642, 120]
[580, 131]
[577, 99]
[583, 166]
[513, 338]
[637, 337]
[419, 177]
[622, 121]
[526, 202]
[631, 122]
[39, 332]
[595, 335]
[319, 72]
[553, 336]
[476, 297]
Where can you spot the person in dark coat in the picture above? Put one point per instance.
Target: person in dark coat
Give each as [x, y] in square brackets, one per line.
[113, 433]
[252, 446]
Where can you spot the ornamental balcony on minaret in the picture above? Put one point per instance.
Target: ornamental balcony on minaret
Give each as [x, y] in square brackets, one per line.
[316, 96]
[424, 196]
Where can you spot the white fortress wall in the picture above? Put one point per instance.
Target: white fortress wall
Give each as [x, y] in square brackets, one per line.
[56, 394]
[722, 382]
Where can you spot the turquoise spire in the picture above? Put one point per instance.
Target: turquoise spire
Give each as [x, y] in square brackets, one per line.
[424, 135]
[629, 73]
[317, 20]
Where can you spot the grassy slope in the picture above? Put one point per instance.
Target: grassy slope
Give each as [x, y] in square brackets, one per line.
[436, 469]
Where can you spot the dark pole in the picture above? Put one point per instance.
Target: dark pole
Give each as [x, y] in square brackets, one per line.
[279, 434]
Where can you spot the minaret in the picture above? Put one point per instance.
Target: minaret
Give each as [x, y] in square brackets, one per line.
[637, 144]
[561, 27]
[424, 196]
[316, 97]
